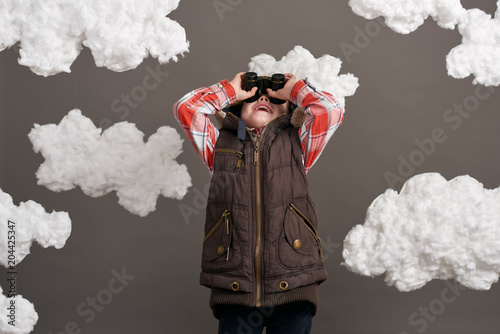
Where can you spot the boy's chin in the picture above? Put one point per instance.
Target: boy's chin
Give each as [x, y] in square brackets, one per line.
[259, 122]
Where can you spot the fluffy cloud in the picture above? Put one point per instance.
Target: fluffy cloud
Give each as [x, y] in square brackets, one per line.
[26, 223]
[77, 154]
[20, 227]
[432, 229]
[302, 63]
[25, 315]
[479, 52]
[120, 33]
[405, 16]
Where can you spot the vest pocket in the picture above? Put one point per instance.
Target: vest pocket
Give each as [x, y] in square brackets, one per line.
[228, 159]
[302, 245]
[218, 246]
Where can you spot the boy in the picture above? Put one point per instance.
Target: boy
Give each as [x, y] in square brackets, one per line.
[261, 254]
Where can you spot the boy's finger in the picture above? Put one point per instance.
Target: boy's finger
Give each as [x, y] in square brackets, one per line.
[238, 77]
[271, 92]
[279, 94]
[250, 93]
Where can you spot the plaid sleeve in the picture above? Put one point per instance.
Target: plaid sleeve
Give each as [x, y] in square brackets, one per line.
[323, 116]
[192, 111]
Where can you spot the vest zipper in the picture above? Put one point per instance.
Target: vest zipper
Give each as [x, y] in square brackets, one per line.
[256, 142]
[256, 152]
[309, 226]
[223, 218]
[258, 207]
[238, 154]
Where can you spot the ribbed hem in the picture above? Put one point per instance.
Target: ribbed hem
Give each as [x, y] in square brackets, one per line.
[308, 293]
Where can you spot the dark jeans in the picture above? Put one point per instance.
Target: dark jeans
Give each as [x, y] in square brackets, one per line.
[293, 318]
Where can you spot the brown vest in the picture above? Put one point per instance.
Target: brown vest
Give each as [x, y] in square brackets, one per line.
[260, 229]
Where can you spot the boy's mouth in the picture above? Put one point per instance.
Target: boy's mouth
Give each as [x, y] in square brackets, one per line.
[263, 107]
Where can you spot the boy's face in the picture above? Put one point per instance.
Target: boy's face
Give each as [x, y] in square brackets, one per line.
[257, 114]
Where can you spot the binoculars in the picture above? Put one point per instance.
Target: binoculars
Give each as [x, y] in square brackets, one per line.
[275, 82]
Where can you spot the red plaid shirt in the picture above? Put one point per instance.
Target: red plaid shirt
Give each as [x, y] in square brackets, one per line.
[323, 116]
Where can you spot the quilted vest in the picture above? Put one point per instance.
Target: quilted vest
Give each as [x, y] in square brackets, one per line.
[260, 228]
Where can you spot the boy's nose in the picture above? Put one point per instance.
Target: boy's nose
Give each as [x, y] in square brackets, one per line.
[264, 98]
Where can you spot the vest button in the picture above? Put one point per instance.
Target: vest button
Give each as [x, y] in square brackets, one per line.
[283, 285]
[235, 286]
[297, 244]
[220, 250]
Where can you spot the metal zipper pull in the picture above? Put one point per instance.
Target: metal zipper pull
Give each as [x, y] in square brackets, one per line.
[227, 253]
[240, 159]
[227, 224]
[256, 152]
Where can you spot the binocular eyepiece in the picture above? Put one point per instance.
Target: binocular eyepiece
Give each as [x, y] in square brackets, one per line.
[275, 82]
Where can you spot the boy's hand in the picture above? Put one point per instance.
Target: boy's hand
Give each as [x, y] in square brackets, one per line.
[284, 93]
[240, 93]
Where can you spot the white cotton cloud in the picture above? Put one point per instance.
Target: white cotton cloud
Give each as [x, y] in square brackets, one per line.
[77, 154]
[120, 33]
[479, 52]
[21, 226]
[28, 222]
[405, 16]
[322, 73]
[23, 318]
[432, 229]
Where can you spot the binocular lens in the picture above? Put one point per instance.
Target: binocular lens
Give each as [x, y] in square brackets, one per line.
[251, 76]
[278, 78]
[276, 82]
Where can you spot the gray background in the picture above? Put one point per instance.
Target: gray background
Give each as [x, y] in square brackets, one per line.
[404, 93]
